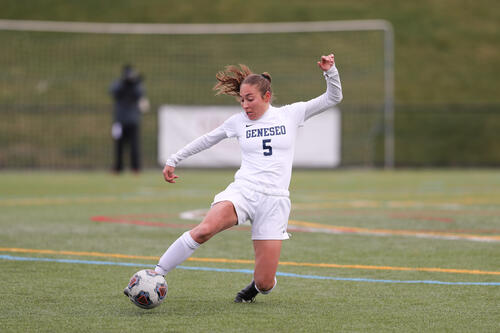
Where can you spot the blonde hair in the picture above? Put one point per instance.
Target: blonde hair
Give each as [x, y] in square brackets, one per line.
[231, 79]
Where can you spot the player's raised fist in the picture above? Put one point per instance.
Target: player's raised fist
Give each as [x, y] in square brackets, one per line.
[326, 62]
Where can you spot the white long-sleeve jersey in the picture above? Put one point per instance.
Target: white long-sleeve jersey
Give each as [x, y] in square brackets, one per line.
[268, 143]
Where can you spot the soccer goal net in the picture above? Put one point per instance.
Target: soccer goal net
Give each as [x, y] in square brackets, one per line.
[55, 108]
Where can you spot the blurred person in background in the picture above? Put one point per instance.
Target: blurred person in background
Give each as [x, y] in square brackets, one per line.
[130, 101]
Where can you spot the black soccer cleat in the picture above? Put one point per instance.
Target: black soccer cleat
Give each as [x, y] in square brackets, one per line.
[247, 294]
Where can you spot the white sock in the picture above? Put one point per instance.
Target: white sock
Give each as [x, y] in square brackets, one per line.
[177, 253]
[265, 292]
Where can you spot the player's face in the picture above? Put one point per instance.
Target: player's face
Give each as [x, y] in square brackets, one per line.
[253, 102]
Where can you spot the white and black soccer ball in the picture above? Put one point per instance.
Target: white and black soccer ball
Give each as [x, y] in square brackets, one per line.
[147, 289]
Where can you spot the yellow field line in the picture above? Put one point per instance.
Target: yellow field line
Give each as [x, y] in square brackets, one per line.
[77, 253]
[395, 268]
[341, 201]
[79, 200]
[368, 203]
[392, 232]
[244, 261]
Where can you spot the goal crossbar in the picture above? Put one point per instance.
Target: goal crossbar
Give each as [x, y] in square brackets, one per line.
[194, 29]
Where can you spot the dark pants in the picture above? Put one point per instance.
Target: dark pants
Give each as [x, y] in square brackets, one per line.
[129, 137]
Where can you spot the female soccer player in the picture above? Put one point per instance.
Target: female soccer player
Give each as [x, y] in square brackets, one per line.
[259, 193]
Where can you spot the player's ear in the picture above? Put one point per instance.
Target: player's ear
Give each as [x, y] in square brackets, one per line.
[267, 97]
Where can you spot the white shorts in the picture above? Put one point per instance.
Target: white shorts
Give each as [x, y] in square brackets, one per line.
[268, 213]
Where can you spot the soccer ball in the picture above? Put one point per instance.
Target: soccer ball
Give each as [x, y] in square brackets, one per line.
[147, 289]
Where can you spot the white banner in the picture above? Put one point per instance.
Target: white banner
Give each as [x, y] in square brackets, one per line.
[317, 146]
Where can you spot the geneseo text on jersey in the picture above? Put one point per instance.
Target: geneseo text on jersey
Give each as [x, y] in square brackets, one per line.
[269, 131]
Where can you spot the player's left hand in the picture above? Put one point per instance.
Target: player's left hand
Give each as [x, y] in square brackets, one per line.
[326, 62]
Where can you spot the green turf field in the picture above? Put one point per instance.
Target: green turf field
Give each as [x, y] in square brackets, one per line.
[370, 251]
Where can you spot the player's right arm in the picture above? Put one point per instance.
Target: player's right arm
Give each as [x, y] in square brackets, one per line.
[168, 174]
[333, 94]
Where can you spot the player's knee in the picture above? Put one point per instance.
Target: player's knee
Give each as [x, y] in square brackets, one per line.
[202, 233]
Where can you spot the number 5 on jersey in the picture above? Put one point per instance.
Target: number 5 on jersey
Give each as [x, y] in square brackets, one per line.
[268, 150]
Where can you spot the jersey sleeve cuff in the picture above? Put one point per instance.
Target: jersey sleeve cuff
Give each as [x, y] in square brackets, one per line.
[331, 72]
[170, 162]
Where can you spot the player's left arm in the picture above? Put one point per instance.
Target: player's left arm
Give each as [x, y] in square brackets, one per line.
[333, 94]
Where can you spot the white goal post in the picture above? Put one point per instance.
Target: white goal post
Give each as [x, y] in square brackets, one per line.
[241, 29]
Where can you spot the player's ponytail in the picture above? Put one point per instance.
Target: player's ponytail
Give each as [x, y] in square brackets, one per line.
[230, 80]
